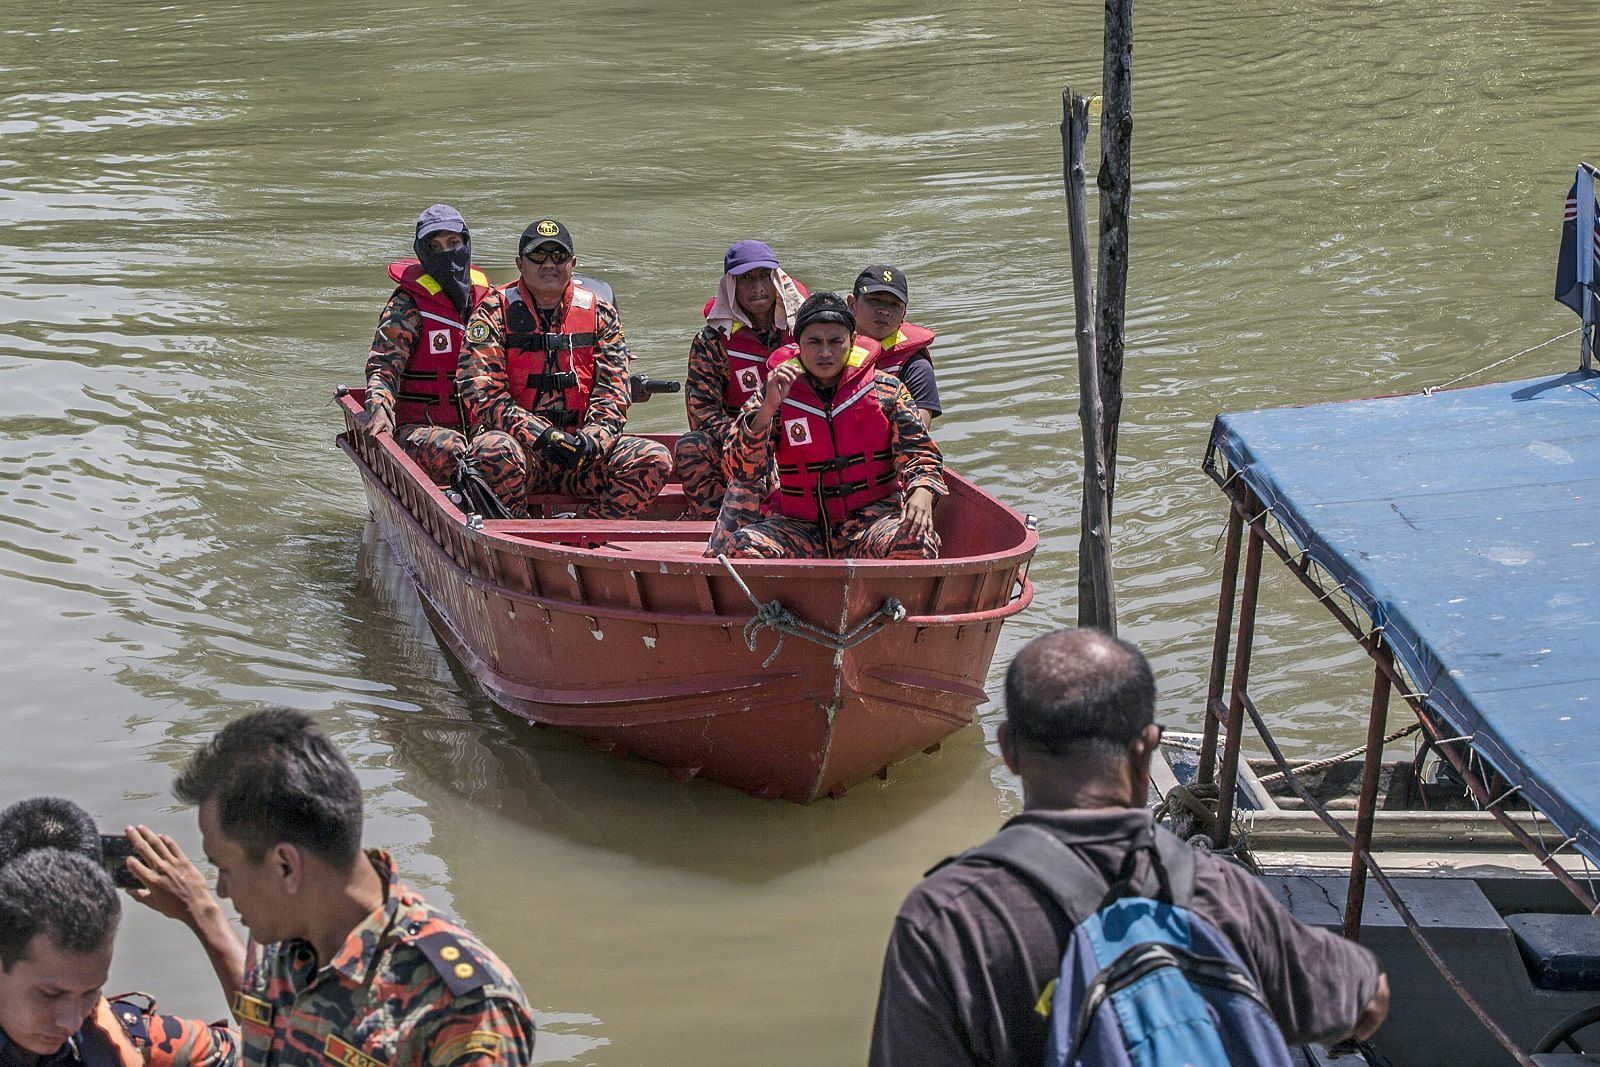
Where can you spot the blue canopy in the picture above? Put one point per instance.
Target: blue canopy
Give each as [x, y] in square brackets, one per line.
[1466, 524]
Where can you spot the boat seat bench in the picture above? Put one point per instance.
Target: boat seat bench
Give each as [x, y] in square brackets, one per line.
[1562, 951]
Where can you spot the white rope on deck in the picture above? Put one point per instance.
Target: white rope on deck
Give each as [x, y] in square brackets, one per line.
[1431, 389]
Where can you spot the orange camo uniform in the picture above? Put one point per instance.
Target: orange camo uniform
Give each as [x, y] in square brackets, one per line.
[699, 453]
[409, 988]
[627, 471]
[129, 1033]
[435, 448]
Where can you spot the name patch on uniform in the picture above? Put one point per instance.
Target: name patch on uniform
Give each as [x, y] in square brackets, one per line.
[250, 1010]
[478, 331]
[749, 379]
[798, 431]
[340, 1051]
[439, 340]
[582, 298]
[477, 1043]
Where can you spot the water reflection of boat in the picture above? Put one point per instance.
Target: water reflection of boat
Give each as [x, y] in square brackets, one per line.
[1452, 535]
[622, 633]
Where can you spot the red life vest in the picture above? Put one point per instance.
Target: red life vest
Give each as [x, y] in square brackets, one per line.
[428, 384]
[837, 453]
[900, 346]
[539, 363]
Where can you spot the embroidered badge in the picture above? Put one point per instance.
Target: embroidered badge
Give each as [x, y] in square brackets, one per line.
[798, 432]
[478, 331]
[340, 1051]
[248, 1009]
[546, 228]
[439, 340]
[478, 1043]
[749, 380]
[888, 275]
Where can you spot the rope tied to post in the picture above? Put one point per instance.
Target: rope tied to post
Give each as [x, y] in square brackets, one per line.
[772, 615]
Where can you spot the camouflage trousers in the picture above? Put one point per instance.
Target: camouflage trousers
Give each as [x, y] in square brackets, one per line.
[872, 532]
[434, 448]
[612, 486]
[698, 460]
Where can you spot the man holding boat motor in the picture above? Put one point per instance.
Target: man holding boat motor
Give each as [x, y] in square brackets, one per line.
[411, 366]
[746, 321]
[544, 380]
[970, 976]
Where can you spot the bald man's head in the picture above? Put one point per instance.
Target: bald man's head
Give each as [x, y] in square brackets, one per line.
[1079, 687]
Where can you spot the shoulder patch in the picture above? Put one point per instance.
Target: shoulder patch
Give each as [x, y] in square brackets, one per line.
[478, 1043]
[460, 969]
[478, 331]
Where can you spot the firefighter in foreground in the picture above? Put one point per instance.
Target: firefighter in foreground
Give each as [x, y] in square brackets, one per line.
[411, 367]
[544, 380]
[857, 473]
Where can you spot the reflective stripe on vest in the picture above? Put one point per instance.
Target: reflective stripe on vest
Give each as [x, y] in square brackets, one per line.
[747, 364]
[427, 392]
[539, 364]
[835, 456]
[900, 346]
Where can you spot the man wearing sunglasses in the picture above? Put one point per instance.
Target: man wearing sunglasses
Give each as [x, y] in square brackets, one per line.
[544, 380]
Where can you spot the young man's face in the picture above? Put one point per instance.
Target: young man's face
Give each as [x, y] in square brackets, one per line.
[258, 890]
[824, 348]
[755, 291]
[878, 315]
[47, 994]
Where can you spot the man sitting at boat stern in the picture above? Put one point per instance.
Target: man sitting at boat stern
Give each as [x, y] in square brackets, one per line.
[971, 968]
[746, 321]
[857, 473]
[878, 301]
[347, 964]
[58, 919]
[544, 379]
[411, 367]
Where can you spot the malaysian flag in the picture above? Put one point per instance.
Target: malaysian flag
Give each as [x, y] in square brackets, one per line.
[1575, 273]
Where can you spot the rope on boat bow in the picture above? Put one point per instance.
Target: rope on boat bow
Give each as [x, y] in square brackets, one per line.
[774, 616]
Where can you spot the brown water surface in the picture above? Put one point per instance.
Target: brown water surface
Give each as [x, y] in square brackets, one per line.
[1332, 200]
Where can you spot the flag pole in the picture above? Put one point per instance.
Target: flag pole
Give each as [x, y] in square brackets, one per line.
[1583, 252]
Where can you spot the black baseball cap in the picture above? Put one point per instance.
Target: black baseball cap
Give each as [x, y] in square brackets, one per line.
[882, 278]
[544, 232]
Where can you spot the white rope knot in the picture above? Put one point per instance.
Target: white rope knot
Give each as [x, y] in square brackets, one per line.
[772, 615]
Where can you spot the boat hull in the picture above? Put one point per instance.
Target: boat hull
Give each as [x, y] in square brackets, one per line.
[623, 634]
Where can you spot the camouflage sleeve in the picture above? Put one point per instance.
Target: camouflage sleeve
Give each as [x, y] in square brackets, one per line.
[749, 451]
[481, 1032]
[706, 383]
[399, 326]
[178, 1042]
[610, 396]
[481, 377]
[917, 459]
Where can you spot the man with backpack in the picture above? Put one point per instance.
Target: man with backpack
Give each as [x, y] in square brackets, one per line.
[1082, 933]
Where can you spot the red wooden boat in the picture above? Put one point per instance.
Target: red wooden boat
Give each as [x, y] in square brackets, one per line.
[620, 630]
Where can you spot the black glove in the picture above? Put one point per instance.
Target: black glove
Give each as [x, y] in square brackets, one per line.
[569, 451]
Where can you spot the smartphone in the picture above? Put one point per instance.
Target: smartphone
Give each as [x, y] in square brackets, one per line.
[114, 852]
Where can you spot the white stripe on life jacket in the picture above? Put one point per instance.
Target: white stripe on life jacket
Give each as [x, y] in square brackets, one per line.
[447, 320]
[791, 402]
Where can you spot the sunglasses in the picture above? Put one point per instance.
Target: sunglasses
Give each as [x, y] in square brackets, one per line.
[540, 256]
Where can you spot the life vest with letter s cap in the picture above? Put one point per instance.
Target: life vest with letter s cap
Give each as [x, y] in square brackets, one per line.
[427, 385]
[900, 346]
[539, 363]
[835, 456]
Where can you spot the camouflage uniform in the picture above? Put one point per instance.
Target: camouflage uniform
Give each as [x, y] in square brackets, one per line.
[158, 1040]
[626, 472]
[872, 532]
[699, 454]
[435, 448]
[408, 988]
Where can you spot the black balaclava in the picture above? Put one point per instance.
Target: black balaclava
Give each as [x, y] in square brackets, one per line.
[452, 270]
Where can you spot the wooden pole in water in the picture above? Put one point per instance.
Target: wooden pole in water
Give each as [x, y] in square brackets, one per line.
[1097, 605]
[1116, 190]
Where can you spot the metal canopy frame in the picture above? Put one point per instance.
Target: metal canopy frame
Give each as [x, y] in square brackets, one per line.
[1224, 721]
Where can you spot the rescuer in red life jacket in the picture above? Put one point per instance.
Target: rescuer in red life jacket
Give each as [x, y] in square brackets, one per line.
[857, 472]
[746, 322]
[411, 368]
[544, 380]
[878, 300]
[58, 920]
